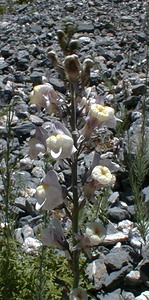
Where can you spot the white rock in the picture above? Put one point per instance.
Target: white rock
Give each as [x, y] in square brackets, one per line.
[31, 244]
[27, 231]
[143, 296]
[125, 226]
[134, 277]
[112, 239]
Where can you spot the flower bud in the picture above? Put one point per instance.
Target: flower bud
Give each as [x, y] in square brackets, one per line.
[72, 68]
[78, 294]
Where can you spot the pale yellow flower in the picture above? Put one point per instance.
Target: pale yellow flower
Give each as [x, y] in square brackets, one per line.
[44, 95]
[98, 116]
[102, 176]
[100, 112]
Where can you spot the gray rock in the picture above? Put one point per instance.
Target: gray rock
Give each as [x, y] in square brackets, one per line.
[36, 77]
[144, 271]
[118, 214]
[21, 110]
[23, 130]
[69, 6]
[143, 296]
[85, 27]
[116, 259]
[128, 295]
[133, 278]
[57, 84]
[110, 296]
[117, 276]
[97, 272]
[138, 89]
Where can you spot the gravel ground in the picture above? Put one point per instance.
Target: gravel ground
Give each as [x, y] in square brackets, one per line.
[114, 34]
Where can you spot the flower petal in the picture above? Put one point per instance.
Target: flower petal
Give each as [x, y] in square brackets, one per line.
[56, 155]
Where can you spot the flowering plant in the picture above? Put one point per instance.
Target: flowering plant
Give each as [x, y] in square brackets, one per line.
[64, 144]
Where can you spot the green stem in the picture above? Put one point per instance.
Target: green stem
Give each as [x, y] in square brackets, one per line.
[75, 211]
[7, 177]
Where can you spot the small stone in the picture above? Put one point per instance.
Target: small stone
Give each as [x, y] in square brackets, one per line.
[23, 129]
[113, 198]
[118, 214]
[36, 120]
[135, 239]
[116, 276]
[57, 84]
[112, 239]
[116, 259]
[143, 296]
[125, 226]
[85, 27]
[38, 172]
[97, 272]
[27, 231]
[138, 89]
[69, 7]
[145, 191]
[26, 164]
[21, 110]
[84, 40]
[133, 278]
[36, 77]
[144, 271]
[110, 296]
[18, 235]
[128, 295]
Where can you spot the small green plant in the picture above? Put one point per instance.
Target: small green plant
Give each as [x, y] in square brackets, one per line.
[138, 170]
[2, 9]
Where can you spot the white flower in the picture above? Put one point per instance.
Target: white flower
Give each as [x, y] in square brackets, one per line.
[49, 193]
[44, 95]
[95, 232]
[60, 142]
[103, 176]
[60, 145]
[78, 294]
[53, 236]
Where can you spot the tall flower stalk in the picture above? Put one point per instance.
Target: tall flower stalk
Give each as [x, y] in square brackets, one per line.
[63, 141]
[75, 210]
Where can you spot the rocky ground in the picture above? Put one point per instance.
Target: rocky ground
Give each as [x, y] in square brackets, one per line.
[114, 35]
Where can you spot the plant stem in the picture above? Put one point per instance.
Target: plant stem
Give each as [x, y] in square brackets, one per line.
[7, 177]
[75, 211]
